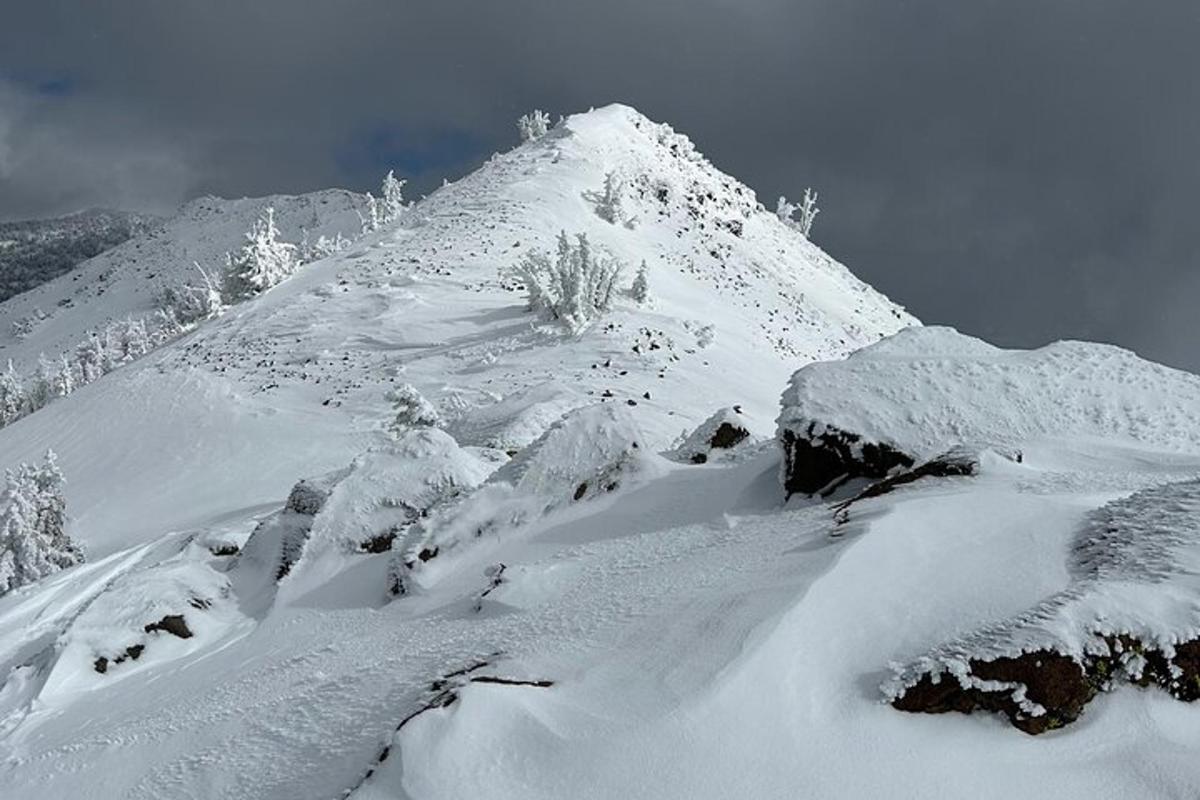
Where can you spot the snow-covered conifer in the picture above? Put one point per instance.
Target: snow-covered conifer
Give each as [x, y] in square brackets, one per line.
[393, 197]
[39, 389]
[13, 402]
[91, 358]
[533, 125]
[127, 340]
[64, 376]
[608, 203]
[33, 539]
[373, 218]
[640, 291]
[262, 262]
[412, 410]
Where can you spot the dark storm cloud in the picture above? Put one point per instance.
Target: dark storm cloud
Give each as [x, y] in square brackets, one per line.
[1024, 170]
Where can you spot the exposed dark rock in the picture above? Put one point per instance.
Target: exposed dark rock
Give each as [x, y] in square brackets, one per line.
[1058, 683]
[955, 463]
[173, 624]
[820, 463]
[131, 653]
[380, 543]
[224, 550]
[1054, 681]
[728, 435]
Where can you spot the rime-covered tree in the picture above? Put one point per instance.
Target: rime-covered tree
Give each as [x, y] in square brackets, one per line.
[807, 208]
[393, 197]
[640, 291]
[39, 388]
[608, 202]
[262, 262]
[13, 402]
[373, 219]
[91, 358]
[33, 538]
[64, 376]
[127, 340]
[533, 125]
[412, 410]
[576, 287]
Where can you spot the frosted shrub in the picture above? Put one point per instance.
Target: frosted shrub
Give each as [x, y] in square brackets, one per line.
[576, 286]
[533, 125]
[412, 410]
[262, 262]
[807, 208]
[33, 541]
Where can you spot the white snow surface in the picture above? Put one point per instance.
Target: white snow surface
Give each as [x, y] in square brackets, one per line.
[700, 638]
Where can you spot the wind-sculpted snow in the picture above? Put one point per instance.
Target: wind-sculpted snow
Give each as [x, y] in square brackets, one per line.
[1130, 614]
[360, 509]
[590, 452]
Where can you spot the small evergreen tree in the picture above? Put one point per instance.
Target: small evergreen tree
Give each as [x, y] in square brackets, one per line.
[40, 388]
[412, 410]
[33, 538]
[640, 291]
[393, 197]
[373, 218]
[91, 359]
[533, 125]
[13, 402]
[64, 376]
[262, 262]
[608, 203]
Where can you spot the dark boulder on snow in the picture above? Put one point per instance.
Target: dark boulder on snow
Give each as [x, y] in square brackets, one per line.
[817, 459]
[723, 431]
[173, 624]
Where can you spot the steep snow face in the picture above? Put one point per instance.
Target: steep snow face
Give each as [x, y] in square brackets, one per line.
[127, 279]
[294, 382]
[928, 389]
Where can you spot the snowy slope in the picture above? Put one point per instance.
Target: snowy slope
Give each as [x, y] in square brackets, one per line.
[293, 384]
[35, 251]
[126, 280]
[536, 602]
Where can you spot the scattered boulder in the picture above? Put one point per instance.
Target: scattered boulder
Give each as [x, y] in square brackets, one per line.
[723, 431]
[173, 624]
[818, 459]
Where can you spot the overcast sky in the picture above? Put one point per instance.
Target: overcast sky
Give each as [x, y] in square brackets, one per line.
[1024, 170]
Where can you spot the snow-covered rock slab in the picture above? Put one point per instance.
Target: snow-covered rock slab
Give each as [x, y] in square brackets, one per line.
[1130, 615]
[922, 391]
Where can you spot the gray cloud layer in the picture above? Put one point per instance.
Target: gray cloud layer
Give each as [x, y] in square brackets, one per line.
[1024, 170]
